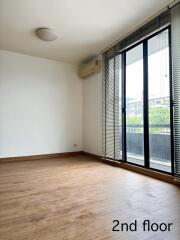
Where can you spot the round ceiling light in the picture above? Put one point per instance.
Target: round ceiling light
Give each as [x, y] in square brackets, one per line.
[46, 34]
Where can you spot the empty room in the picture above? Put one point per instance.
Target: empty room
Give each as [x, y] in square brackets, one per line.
[89, 120]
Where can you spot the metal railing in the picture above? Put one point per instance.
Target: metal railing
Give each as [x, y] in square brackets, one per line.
[159, 139]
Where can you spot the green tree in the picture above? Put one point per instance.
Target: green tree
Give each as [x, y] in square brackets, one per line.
[158, 116]
[134, 120]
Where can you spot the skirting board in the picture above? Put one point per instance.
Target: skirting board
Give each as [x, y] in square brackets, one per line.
[147, 172]
[43, 156]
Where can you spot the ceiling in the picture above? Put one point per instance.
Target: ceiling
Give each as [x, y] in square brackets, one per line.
[84, 27]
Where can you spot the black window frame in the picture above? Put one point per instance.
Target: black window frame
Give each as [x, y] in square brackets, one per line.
[145, 98]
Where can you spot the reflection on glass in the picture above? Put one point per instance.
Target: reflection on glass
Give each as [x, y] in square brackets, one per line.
[159, 102]
[134, 105]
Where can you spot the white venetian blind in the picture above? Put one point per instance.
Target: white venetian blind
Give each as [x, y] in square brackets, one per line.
[175, 28]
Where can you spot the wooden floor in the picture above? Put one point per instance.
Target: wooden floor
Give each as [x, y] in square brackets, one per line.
[78, 198]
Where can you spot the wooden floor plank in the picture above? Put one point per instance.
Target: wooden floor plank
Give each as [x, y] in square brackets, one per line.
[78, 198]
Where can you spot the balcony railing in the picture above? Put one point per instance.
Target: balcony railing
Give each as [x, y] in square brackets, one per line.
[159, 138]
[162, 128]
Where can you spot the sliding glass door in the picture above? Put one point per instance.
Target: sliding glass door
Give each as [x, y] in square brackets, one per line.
[147, 113]
[138, 104]
[159, 102]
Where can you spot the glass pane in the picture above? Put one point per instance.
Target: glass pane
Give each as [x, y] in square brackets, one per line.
[159, 102]
[134, 105]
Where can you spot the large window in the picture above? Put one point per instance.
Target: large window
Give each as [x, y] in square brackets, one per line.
[138, 122]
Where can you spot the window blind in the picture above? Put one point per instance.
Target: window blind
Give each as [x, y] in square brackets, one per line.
[175, 32]
[150, 27]
[111, 108]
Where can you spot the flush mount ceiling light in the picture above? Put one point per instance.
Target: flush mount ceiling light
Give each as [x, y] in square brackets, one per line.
[46, 34]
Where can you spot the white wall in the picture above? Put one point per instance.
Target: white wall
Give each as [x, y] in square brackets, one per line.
[40, 106]
[92, 114]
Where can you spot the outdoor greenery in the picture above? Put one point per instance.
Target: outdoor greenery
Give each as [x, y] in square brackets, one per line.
[157, 116]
